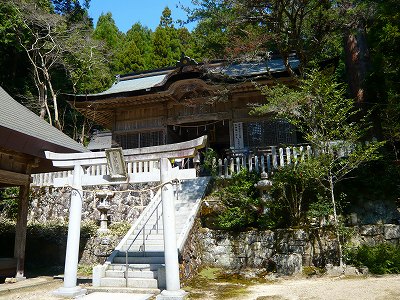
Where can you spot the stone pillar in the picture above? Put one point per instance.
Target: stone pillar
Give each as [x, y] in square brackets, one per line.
[173, 290]
[20, 231]
[70, 288]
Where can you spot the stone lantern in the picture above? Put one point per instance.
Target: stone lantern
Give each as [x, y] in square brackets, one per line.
[104, 206]
[264, 186]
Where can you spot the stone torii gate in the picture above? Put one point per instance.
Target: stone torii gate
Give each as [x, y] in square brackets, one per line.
[117, 175]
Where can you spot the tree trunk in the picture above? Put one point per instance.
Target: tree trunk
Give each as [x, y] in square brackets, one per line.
[357, 62]
[335, 219]
[57, 122]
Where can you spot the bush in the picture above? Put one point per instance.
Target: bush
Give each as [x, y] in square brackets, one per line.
[9, 202]
[241, 199]
[297, 194]
[380, 259]
[119, 228]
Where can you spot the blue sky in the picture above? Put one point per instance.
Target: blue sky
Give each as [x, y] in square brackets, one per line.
[127, 12]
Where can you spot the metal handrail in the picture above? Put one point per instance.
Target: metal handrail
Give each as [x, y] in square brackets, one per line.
[143, 231]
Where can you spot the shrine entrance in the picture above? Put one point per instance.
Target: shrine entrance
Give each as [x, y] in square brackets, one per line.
[218, 133]
[159, 169]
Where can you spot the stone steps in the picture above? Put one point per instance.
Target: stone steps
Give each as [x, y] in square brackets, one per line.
[106, 289]
[143, 283]
[149, 253]
[132, 274]
[135, 267]
[139, 259]
[146, 271]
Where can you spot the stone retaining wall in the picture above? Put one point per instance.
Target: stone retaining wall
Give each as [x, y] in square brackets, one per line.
[283, 250]
[52, 204]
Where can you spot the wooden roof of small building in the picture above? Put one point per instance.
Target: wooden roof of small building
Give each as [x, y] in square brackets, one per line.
[22, 132]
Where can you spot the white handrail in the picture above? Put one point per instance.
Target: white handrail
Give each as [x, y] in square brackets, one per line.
[153, 203]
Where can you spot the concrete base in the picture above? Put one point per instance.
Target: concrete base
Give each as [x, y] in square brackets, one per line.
[99, 272]
[70, 292]
[14, 279]
[172, 295]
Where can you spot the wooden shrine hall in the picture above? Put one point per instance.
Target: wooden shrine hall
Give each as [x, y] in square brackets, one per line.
[23, 139]
[190, 100]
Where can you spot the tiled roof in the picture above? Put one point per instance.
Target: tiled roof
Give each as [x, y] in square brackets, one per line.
[136, 84]
[19, 127]
[148, 80]
[248, 69]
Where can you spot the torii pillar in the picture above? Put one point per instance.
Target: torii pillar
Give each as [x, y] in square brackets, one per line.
[173, 290]
[79, 179]
[70, 288]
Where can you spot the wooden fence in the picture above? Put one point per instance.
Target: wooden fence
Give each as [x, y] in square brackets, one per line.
[47, 179]
[267, 160]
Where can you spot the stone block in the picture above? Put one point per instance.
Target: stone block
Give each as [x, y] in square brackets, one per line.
[391, 231]
[351, 271]
[332, 270]
[296, 249]
[161, 278]
[288, 264]
[371, 229]
[372, 240]
[300, 234]
[218, 250]
[99, 272]
[223, 261]
[282, 248]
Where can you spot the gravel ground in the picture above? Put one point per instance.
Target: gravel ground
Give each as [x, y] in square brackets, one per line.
[325, 288]
[41, 291]
[338, 288]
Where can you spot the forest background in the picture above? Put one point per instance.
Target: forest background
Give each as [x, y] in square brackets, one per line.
[51, 47]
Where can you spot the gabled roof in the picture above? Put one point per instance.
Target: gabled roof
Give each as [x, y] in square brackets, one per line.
[23, 131]
[153, 81]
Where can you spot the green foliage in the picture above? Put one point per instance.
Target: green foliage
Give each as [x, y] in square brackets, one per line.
[320, 208]
[7, 226]
[85, 270]
[9, 202]
[88, 228]
[240, 197]
[249, 29]
[294, 190]
[107, 31]
[380, 259]
[119, 228]
[328, 120]
[382, 83]
[210, 161]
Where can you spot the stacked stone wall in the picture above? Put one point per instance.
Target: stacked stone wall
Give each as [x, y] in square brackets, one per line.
[285, 251]
[52, 204]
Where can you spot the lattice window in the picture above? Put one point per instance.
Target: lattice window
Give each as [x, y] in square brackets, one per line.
[140, 140]
[268, 133]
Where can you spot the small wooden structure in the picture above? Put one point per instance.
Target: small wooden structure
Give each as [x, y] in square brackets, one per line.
[190, 100]
[23, 137]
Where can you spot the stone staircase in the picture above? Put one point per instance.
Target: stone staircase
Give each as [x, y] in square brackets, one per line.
[138, 260]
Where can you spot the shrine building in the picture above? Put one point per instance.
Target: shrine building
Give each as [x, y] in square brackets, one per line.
[189, 100]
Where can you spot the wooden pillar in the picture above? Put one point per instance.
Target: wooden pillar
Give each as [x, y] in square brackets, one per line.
[20, 230]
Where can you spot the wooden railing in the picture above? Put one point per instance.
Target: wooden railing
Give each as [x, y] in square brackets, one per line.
[265, 161]
[47, 179]
[137, 167]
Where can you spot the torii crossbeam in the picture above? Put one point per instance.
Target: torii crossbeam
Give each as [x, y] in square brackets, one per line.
[78, 161]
